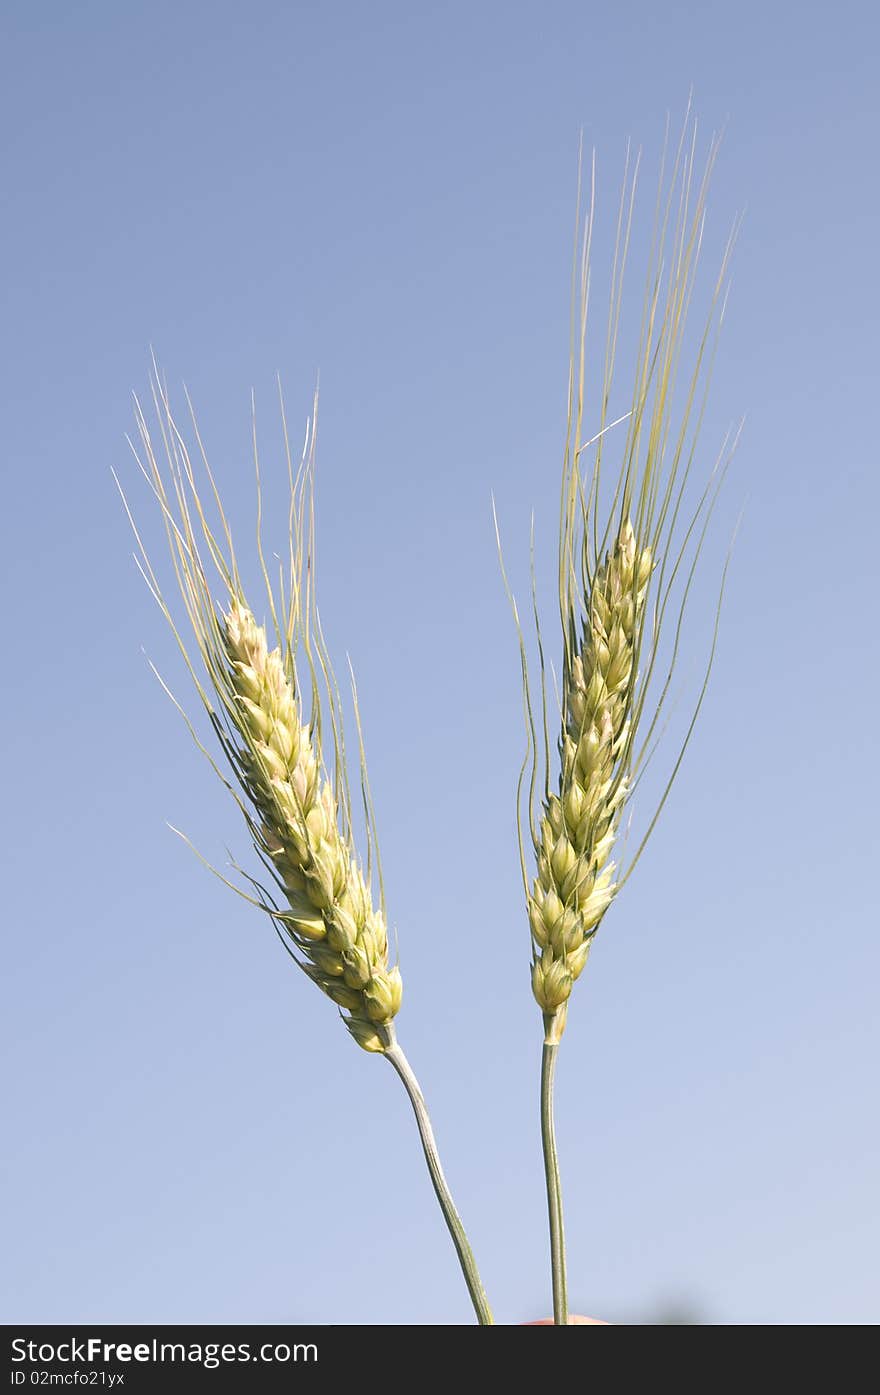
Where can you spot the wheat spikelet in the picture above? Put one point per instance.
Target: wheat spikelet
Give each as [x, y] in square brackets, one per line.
[301, 824]
[628, 549]
[330, 918]
[575, 881]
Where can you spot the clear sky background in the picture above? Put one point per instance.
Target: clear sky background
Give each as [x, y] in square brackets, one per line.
[384, 194]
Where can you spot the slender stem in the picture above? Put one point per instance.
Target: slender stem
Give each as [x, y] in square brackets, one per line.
[554, 1186]
[447, 1206]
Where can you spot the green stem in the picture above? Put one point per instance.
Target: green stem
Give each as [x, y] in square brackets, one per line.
[447, 1206]
[551, 1172]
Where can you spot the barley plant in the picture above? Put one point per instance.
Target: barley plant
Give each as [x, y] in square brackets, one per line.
[630, 536]
[283, 743]
[629, 540]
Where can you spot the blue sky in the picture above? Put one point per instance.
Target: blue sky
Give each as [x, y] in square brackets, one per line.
[384, 195]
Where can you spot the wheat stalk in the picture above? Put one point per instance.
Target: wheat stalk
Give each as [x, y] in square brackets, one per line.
[628, 549]
[319, 895]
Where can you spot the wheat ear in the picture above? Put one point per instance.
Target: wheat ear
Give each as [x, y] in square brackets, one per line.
[575, 881]
[628, 548]
[320, 897]
[329, 914]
